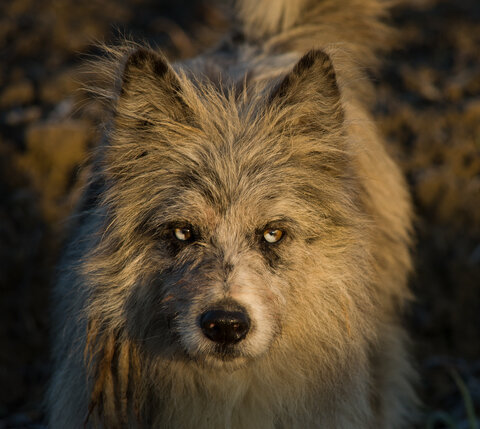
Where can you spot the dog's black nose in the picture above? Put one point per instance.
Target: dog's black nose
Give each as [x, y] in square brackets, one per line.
[225, 327]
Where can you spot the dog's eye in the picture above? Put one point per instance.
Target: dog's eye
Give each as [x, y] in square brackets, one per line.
[183, 234]
[272, 235]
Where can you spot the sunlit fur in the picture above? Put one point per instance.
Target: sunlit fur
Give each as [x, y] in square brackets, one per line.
[256, 134]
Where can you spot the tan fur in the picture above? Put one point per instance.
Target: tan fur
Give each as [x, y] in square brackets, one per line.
[253, 134]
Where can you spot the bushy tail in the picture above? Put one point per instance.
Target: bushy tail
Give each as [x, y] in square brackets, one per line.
[299, 25]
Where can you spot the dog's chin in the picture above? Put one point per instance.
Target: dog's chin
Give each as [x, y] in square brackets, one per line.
[225, 364]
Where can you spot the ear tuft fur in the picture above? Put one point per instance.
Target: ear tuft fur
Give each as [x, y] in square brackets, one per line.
[314, 68]
[144, 62]
[311, 87]
[151, 89]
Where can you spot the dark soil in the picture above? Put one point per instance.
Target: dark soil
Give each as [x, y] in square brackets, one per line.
[428, 108]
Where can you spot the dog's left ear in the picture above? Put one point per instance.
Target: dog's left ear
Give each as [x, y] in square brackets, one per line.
[150, 88]
[311, 89]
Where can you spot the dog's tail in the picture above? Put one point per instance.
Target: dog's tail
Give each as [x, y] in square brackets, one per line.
[358, 26]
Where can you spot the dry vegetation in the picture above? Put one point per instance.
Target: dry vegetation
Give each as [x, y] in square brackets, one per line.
[428, 108]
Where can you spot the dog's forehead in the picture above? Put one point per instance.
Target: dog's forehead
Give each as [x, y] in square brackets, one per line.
[235, 210]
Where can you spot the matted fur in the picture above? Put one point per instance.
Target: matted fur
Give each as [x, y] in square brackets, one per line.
[256, 134]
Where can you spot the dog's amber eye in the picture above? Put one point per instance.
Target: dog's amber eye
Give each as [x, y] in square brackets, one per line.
[272, 235]
[182, 234]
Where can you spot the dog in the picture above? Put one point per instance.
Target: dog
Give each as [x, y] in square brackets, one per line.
[240, 256]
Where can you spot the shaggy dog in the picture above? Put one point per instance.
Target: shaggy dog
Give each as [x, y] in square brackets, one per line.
[241, 254]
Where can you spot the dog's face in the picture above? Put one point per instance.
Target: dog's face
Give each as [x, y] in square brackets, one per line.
[223, 294]
[223, 210]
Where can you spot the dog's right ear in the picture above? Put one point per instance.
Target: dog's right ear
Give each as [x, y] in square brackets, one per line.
[150, 89]
[311, 93]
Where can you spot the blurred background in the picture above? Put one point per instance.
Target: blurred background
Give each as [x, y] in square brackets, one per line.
[428, 108]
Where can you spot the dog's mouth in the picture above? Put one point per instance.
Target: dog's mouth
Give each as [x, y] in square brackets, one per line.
[219, 353]
[226, 352]
[225, 358]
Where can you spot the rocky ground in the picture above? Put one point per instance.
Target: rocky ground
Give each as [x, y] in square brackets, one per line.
[428, 108]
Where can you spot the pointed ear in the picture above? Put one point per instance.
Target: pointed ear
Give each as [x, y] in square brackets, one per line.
[151, 89]
[311, 89]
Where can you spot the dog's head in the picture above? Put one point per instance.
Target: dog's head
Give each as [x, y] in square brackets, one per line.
[232, 216]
